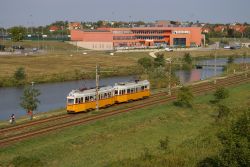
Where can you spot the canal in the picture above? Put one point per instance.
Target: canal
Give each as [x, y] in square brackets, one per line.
[53, 95]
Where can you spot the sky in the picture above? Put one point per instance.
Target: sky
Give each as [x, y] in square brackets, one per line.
[44, 12]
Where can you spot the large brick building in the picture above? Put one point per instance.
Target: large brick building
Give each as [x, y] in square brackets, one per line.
[110, 38]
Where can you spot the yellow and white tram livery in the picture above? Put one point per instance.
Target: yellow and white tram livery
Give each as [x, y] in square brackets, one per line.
[80, 101]
[131, 91]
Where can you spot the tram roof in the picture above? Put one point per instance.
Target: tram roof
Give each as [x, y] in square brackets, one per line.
[131, 84]
[88, 92]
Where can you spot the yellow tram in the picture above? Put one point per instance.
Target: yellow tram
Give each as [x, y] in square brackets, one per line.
[80, 101]
[129, 91]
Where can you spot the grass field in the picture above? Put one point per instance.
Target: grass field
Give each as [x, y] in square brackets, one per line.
[63, 62]
[107, 142]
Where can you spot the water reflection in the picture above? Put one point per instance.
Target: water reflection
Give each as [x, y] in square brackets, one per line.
[192, 75]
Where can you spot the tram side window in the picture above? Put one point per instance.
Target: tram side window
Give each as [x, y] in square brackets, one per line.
[105, 95]
[142, 88]
[128, 90]
[132, 90]
[109, 94]
[116, 92]
[77, 101]
[146, 86]
[81, 99]
[91, 98]
[136, 89]
[86, 98]
[70, 101]
[123, 92]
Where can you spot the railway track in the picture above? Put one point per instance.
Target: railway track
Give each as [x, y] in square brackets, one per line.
[197, 89]
[66, 116]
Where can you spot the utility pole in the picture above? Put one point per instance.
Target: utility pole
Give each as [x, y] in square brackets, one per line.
[76, 47]
[169, 77]
[246, 70]
[215, 68]
[97, 87]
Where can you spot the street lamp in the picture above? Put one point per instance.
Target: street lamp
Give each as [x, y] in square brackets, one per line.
[97, 87]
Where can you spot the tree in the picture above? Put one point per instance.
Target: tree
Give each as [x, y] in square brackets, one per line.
[230, 32]
[29, 100]
[17, 33]
[99, 23]
[187, 58]
[145, 62]
[184, 97]
[235, 141]
[247, 32]
[159, 60]
[20, 74]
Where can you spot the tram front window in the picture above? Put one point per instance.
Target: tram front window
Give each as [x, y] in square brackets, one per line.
[70, 101]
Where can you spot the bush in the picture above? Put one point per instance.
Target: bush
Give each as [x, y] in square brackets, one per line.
[20, 74]
[159, 61]
[221, 93]
[184, 97]
[145, 62]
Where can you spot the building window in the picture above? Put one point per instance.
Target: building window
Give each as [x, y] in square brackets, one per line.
[179, 42]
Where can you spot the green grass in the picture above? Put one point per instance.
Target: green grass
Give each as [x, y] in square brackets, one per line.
[63, 63]
[104, 143]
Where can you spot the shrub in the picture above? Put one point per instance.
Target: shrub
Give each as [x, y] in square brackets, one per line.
[20, 74]
[159, 61]
[221, 93]
[184, 97]
[145, 62]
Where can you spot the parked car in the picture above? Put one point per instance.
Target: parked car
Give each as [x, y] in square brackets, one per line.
[18, 47]
[34, 49]
[227, 47]
[169, 49]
